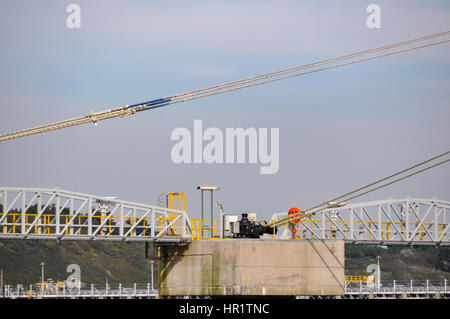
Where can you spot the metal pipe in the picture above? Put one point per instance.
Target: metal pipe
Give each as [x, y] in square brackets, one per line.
[212, 215]
[202, 215]
[42, 279]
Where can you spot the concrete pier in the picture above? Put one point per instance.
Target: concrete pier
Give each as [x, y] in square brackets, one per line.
[253, 267]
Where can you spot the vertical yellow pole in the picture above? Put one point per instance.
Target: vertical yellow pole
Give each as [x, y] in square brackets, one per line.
[159, 272]
[170, 206]
[144, 226]
[131, 225]
[331, 229]
[401, 229]
[159, 223]
[198, 228]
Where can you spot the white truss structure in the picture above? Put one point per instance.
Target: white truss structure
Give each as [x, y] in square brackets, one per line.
[411, 221]
[40, 213]
[64, 215]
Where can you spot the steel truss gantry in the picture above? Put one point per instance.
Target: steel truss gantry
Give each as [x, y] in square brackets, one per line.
[40, 213]
[410, 221]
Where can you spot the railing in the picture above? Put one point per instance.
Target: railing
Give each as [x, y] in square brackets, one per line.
[399, 287]
[364, 229]
[362, 289]
[57, 214]
[356, 278]
[205, 228]
[396, 221]
[80, 291]
[35, 213]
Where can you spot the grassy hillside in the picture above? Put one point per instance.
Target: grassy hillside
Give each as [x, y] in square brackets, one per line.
[125, 262]
[118, 261]
[399, 262]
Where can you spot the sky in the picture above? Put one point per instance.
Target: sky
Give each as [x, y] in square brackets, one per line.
[339, 129]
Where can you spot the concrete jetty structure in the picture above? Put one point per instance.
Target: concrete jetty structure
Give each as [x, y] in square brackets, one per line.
[248, 267]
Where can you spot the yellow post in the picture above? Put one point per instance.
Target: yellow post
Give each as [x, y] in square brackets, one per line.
[159, 272]
[131, 225]
[401, 229]
[331, 229]
[388, 230]
[144, 227]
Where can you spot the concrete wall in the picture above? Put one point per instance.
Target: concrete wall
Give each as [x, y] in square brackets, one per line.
[253, 267]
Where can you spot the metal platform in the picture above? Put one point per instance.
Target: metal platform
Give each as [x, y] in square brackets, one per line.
[56, 214]
[407, 221]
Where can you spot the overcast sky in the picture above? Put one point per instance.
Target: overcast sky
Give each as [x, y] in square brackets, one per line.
[339, 129]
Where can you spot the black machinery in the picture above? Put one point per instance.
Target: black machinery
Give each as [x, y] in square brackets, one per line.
[246, 228]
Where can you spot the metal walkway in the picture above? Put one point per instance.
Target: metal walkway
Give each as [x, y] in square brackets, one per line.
[39, 213]
[410, 221]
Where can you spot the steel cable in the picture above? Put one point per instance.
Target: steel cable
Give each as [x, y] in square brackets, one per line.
[310, 212]
[218, 89]
[306, 66]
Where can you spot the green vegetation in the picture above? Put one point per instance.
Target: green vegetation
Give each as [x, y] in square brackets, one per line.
[125, 262]
[117, 261]
[399, 262]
